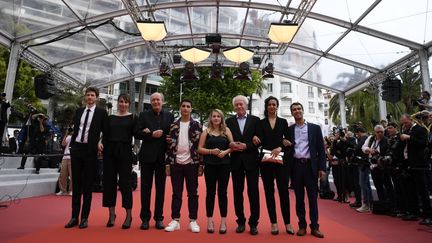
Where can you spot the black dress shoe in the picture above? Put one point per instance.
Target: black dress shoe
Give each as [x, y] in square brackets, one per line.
[111, 221]
[410, 217]
[145, 225]
[253, 230]
[317, 233]
[240, 228]
[426, 221]
[72, 223]
[20, 168]
[83, 224]
[301, 232]
[159, 225]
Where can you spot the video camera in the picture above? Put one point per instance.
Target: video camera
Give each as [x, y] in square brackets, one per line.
[339, 130]
[70, 129]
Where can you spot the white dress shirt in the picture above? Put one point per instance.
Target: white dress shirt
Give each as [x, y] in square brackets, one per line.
[81, 126]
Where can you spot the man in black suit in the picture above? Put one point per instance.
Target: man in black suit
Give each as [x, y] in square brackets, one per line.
[152, 128]
[4, 105]
[244, 163]
[89, 122]
[307, 164]
[415, 139]
[14, 143]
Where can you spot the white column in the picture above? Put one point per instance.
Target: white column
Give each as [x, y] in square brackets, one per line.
[12, 70]
[381, 105]
[342, 109]
[426, 84]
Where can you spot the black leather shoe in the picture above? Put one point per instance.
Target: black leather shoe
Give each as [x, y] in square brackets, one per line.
[253, 230]
[145, 225]
[317, 233]
[83, 224]
[72, 223]
[20, 168]
[301, 232]
[410, 217]
[159, 225]
[240, 228]
[355, 204]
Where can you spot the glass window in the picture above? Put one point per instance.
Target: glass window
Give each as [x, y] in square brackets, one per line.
[270, 88]
[286, 87]
[311, 108]
[310, 92]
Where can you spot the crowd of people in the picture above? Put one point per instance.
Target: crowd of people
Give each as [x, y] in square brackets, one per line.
[396, 157]
[184, 150]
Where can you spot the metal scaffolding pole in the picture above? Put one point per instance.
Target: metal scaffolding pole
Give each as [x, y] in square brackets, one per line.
[423, 56]
[381, 105]
[12, 70]
[342, 109]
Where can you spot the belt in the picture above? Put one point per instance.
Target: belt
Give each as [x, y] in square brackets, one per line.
[302, 160]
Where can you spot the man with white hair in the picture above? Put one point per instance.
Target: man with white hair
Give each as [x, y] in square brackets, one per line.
[244, 163]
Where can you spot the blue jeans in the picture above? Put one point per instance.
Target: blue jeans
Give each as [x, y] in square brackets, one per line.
[364, 172]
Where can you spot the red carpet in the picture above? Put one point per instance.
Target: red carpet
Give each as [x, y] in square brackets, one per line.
[41, 220]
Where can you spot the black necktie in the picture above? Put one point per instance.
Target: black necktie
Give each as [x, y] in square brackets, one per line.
[85, 126]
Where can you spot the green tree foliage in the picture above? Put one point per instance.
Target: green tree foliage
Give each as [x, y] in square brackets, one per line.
[362, 106]
[23, 93]
[207, 94]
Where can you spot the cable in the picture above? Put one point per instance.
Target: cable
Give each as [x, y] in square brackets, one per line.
[9, 200]
[426, 21]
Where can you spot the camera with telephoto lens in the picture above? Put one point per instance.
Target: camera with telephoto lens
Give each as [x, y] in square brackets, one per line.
[70, 129]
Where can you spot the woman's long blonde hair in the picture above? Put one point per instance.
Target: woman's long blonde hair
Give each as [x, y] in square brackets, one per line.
[211, 127]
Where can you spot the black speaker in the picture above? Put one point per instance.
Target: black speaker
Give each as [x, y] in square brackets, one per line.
[391, 90]
[213, 38]
[44, 86]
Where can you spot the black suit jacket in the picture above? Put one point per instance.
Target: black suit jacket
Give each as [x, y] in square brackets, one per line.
[416, 146]
[99, 124]
[248, 157]
[273, 138]
[153, 148]
[316, 147]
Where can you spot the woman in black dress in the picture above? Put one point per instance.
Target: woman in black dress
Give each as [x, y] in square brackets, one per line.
[271, 132]
[117, 160]
[214, 145]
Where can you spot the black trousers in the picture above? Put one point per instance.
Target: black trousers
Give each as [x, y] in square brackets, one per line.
[217, 175]
[340, 176]
[180, 174]
[383, 184]
[399, 203]
[83, 166]
[2, 129]
[148, 170]
[353, 181]
[117, 161]
[269, 173]
[302, 177]
[415, 188]
[238, 179]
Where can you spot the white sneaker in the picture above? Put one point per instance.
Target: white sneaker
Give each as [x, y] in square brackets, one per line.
[363, 209]
[173, 225]
[60, 193]
[69, 193]
[194, 227]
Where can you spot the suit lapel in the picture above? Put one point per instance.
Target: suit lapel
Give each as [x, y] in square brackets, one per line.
[236, 125]
[247, 124]
[309, 134]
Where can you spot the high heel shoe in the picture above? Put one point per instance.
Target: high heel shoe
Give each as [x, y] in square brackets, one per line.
[111, 221]
[127, 223]
[210, 227]
[289, 229]
[222, 229]
[274, 229]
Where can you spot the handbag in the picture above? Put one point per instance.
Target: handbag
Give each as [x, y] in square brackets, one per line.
[267, 157]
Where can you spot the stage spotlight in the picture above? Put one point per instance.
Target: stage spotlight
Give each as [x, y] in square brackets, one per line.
[164, 69]
[267, 71]
[216, 72]
[189, 72]
[243, 72]
[176, 58]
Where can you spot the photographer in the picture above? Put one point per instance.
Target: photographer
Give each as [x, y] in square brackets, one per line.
[361, 160]
[339, 165]
[26, 135]
[4, 105]
[377, 147]
[353, 184]
[396, 169]
[416, 138]
[39, 138]
[425, 102]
